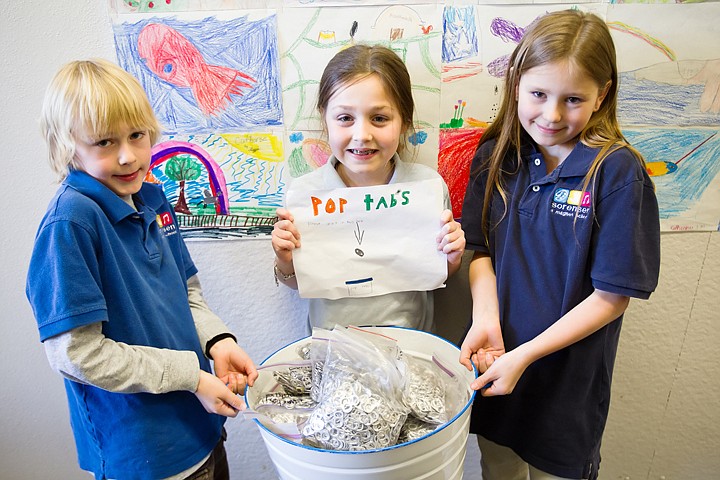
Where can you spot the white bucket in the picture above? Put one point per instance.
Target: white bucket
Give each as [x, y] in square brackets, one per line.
[437, 455]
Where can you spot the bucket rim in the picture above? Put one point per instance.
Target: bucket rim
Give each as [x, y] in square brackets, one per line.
[375, 450]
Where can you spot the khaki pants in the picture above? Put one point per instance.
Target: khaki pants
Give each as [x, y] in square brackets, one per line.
[501, 463]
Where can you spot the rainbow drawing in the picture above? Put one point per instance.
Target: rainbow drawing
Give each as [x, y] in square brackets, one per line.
[647, 38]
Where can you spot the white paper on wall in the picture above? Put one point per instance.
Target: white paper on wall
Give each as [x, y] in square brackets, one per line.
[368, 241]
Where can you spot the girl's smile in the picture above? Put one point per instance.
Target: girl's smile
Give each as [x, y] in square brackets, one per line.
[364, 128]
[555, 103]
[360, 153]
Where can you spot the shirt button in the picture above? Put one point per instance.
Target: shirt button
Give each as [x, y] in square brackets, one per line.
[536, 188]
[537, 162]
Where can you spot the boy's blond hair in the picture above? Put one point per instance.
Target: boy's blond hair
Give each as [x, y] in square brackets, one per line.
[93, 97]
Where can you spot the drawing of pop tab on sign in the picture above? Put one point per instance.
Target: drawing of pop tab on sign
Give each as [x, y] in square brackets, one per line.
[368, 241]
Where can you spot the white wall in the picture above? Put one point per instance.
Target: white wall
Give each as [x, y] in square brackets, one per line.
[665, 415]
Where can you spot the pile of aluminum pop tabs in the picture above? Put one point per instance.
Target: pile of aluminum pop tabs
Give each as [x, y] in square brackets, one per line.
[352, 390]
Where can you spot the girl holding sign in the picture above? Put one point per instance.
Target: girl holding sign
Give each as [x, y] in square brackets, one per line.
[366, 104]
[563, 219]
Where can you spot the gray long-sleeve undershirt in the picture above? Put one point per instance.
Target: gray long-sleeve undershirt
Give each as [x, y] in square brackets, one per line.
[85, 355]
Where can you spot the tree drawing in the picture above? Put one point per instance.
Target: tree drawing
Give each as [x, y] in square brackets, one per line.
[182, 168]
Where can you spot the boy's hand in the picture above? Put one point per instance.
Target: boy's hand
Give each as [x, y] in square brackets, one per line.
[232, 365]
[216, 397]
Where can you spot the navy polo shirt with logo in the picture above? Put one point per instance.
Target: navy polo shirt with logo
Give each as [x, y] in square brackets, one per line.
[550, 249]
[96, 259]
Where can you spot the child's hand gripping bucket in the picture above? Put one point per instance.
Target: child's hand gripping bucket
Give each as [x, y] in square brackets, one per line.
[436, 455]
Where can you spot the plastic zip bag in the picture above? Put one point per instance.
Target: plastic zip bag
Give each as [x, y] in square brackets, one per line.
[359, 407]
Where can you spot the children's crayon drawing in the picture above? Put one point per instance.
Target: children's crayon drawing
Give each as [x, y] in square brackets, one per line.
[221, 186]
[205, 75]
[684, 165]
[310, 37]
[666, 80]
[309, 149]
[457, 146]
[669, 105]
[459, 34]
[216, 66]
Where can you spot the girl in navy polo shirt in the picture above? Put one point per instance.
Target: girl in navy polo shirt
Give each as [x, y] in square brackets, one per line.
[564, 223]
[116, 296]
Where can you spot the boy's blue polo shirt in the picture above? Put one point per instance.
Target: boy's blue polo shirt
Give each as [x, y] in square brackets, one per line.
[550, 249]
[96, 259]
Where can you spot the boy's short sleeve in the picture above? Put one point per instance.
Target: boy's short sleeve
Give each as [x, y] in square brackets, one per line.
[188, 264]
[63, 284]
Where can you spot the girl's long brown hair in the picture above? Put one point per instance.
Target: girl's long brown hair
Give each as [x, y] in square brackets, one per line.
[583, 40]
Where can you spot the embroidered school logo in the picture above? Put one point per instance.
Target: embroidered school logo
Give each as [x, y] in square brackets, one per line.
[568, 203]
[165, 222]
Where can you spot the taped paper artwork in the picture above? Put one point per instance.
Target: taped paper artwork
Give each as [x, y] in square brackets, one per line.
[217, 68]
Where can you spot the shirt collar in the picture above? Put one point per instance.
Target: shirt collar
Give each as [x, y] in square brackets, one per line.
[114, 207]
[577, 164]
[401, 169]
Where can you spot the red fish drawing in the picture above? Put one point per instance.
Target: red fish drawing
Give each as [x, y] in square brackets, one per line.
[175, 59]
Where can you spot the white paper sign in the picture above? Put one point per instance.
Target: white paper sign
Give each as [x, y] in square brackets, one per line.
[367, 241]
